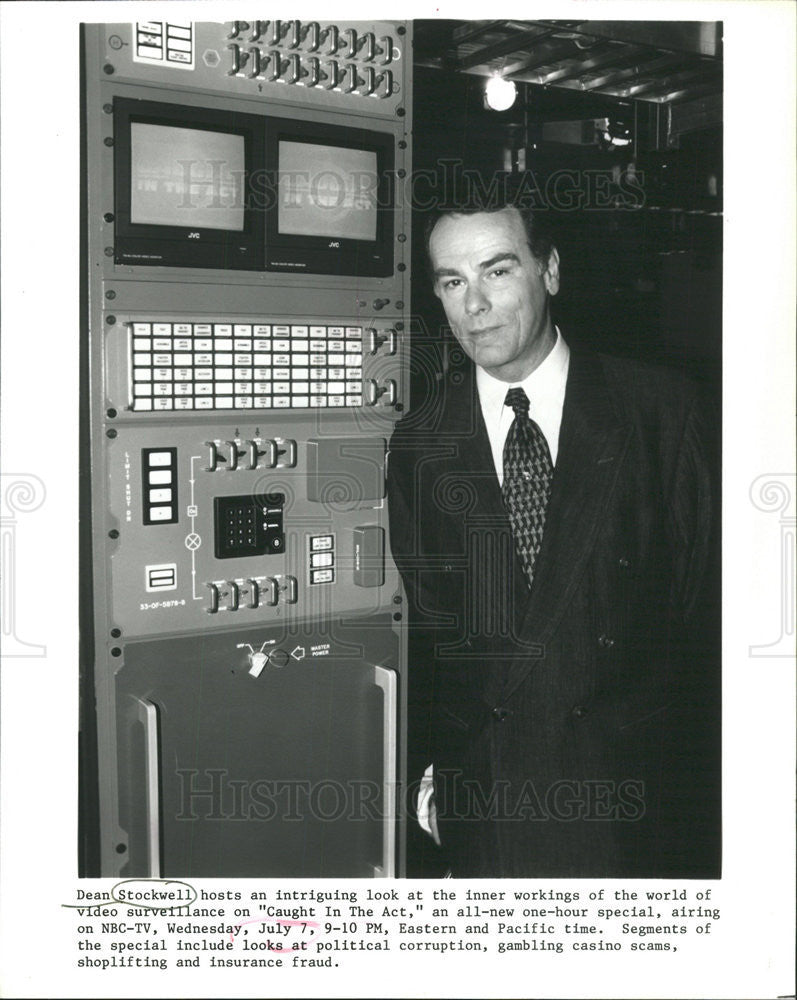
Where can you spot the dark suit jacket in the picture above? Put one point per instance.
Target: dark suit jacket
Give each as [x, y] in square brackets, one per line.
[574, 727]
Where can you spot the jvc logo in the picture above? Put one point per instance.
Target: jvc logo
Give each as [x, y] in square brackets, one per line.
[194, 236]
[334, 244]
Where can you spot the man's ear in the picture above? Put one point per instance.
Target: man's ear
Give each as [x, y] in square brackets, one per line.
[551, 275]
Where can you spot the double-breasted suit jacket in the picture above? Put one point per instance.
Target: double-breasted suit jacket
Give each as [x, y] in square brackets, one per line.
[573, 725]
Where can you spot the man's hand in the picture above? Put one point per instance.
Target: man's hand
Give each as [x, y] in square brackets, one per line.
[427, 809]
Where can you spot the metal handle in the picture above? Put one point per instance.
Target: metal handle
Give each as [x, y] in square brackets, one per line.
[148, 716]
[387, 681]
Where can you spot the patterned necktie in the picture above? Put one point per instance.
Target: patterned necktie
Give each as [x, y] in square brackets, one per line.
[527, 480]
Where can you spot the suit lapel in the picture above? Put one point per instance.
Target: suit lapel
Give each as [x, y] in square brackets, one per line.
[463, 426]
[592, 442]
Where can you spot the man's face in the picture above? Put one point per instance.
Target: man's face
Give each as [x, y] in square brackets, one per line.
[494, 292]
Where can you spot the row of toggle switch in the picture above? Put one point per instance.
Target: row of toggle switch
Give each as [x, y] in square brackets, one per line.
[273, 453]
[273, 67]
[252, 593]
[311, 37]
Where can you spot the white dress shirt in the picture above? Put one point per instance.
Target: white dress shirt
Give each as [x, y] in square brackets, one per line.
[545, 388]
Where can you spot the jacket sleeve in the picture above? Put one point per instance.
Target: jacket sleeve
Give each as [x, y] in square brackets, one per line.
[692, 516]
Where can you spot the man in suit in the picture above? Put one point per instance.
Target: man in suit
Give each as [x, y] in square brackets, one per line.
[551, 516]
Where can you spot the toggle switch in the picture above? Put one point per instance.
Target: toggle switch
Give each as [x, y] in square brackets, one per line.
[287, 585]
[213, 607]
[367, 46]
[235, 454]
[312, 36]
[235, 60]
[258, 30]
[235, 596]
[369, 83]
[295, 67]
[350, 43]
[274, 62]
[332, 74]
[272, 590]
[376, 339]
[384, 84]
[331, 33]
[295, 35]
[253, 589]
[374, 391]
[254, 63]
[385, 48]
[314, 72]
[255, 454]
[350, 81]
[286, 453]
[213, 457]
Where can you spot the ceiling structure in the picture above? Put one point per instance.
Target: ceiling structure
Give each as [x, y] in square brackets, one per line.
[661, 62]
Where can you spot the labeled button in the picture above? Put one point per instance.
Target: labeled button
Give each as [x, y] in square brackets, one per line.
[160, 513]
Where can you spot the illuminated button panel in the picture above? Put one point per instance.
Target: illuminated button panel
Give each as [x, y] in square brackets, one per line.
[245, 366]
[159, 485]
[321, 559]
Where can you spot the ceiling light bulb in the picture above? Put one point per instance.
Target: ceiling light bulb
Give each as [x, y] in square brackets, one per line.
[499, 93]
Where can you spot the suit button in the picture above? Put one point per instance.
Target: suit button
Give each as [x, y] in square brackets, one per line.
[579, 712]
[500, 714]
[605, 642]
[624, 563]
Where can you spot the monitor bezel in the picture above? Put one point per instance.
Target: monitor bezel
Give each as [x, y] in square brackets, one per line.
[146, 244]
[307, 254]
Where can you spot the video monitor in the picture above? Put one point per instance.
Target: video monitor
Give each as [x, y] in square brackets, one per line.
[334, 200]
[184, 192]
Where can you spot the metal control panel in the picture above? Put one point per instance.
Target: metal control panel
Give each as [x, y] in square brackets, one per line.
[234, 458]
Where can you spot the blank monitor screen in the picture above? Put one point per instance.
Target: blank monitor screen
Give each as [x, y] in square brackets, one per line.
[327, 191]
[186, 177]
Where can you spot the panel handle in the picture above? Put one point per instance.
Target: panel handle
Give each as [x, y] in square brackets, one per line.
[387, 681]
[148, 716]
